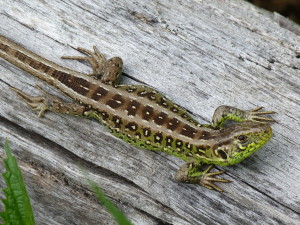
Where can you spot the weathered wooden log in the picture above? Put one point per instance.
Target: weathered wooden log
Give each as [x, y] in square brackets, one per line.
[200, 54]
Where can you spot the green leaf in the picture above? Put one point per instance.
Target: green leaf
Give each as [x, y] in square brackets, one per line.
[17, 205]
[120, 218]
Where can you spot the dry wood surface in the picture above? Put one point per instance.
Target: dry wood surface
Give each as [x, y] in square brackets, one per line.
[200, 54]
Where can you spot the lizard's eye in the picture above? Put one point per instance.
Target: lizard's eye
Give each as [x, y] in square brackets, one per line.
[242, 138]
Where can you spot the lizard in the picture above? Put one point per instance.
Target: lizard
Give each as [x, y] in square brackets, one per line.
[142, 116]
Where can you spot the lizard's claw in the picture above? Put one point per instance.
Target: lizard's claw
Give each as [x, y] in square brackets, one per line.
[208, 179]
[255, 115]
[37, 103]
[95, 59]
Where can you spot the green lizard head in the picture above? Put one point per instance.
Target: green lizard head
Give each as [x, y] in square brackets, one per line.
[239, 141]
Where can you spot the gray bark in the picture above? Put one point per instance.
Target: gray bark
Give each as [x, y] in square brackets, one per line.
[200, 54]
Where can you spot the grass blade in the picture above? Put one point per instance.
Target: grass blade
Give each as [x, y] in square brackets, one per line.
[17, 203]
[119, 217]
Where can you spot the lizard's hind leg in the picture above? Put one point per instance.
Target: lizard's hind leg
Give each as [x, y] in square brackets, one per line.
[51, 103]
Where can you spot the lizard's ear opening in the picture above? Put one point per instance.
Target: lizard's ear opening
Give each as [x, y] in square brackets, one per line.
[222, 154]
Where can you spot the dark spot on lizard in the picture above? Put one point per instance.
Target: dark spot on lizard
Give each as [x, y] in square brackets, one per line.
[188, 131]
[147, 112]
[132, 126]
[146, 132]
[160, 118]
[100, 92]
[173, 124]
[116, 101]
[169, 141]
[158, 137]
[133, 107]
[117, 121]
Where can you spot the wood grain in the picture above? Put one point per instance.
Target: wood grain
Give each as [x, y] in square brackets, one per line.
[201, 54]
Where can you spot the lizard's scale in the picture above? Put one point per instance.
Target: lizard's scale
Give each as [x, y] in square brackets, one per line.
[140, 115]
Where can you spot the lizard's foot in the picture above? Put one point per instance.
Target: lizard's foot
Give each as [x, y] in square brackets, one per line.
[95, 59]
[50, 102]
[255, 115]
[106, 70]
[195, 173]
[37, 103]
[224, 113]
[208, 179]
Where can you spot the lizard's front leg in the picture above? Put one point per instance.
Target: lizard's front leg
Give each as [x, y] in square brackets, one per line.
[108, 71]
[198, 173]
[224, 113]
